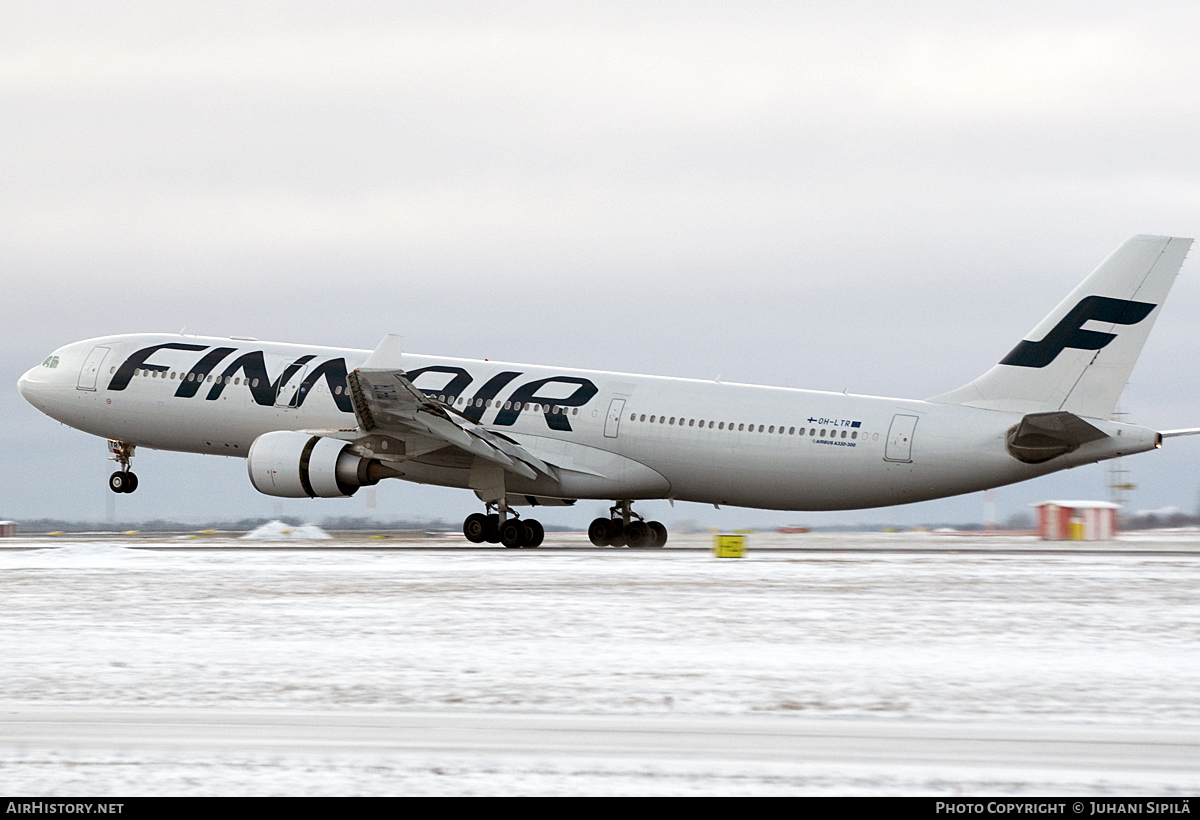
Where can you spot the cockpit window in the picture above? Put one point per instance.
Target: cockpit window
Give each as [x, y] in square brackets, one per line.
[51, 362]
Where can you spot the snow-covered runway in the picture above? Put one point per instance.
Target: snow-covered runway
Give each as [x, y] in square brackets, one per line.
[895, 656]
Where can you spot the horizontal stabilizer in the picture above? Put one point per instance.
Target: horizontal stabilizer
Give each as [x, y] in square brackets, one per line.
[1189, 431]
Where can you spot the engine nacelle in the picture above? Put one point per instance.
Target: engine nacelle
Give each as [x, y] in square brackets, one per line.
[297, 465]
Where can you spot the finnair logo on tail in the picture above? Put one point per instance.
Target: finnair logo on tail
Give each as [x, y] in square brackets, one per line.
[1069, 331]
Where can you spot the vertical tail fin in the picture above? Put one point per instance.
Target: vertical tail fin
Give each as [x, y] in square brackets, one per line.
[1079, 357]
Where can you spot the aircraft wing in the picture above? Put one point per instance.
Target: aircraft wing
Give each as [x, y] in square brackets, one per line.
[387, 404]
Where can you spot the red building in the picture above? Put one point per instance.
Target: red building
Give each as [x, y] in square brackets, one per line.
[1077, 520]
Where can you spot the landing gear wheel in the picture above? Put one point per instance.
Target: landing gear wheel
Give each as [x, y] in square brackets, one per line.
[122, 482]
[599, 532]
[491, 532]
[475, 528]
[638, 534]
[514, 533]
[536, 533]
[660, 533]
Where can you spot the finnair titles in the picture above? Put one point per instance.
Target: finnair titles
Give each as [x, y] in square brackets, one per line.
[322, 422]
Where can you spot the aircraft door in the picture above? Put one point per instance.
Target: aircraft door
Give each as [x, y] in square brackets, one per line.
[899, 440]
[613, 421]
[289, 391]
[91, 369]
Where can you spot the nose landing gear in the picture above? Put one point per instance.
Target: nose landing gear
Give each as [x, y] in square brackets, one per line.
[123, 480]
[619, 531]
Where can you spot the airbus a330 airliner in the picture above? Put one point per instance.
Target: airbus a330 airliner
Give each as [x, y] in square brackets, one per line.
[322, 422]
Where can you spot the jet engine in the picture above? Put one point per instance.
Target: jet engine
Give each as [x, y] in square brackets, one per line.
[298, 465]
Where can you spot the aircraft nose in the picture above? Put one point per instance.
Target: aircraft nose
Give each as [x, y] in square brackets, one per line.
[31, 383]
[25, 383]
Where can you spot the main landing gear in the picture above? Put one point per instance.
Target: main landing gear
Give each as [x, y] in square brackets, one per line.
[498, 528]
[123, 480]
[619, 531]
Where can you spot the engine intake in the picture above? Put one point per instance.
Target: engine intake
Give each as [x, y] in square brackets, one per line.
[296, 465]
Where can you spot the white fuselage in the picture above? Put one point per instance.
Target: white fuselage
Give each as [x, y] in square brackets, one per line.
[633, 437]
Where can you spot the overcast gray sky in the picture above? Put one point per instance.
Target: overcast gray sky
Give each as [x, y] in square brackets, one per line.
[872, 196]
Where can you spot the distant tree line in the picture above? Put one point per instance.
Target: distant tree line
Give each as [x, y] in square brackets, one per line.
[338, 524]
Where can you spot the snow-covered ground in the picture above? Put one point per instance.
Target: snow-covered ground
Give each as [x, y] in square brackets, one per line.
[974, 630]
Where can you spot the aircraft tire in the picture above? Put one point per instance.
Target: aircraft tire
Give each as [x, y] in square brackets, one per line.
[536, 533]
[638, 535]
[660, 534]
[599, 531]
[491, 532]
[514, 533]
[475, 527]
[122, 482]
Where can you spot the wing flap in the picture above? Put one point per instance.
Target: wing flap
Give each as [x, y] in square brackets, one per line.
[386, 403]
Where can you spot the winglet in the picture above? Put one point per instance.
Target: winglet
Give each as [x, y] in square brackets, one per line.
[386, 356]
